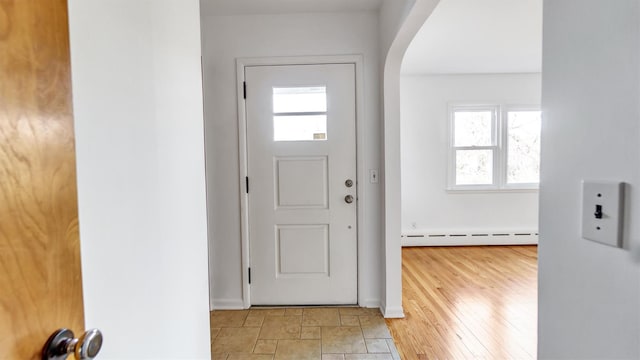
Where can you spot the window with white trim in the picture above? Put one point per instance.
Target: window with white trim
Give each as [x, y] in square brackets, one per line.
[494, 147]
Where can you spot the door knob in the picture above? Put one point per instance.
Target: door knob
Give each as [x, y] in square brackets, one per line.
[348, 199]
[348, 183]
[62, 343]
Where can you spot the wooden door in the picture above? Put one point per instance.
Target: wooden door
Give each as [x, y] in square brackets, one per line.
[301, 136]
[40, 281]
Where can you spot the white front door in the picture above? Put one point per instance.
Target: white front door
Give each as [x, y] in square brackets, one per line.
[301, 152]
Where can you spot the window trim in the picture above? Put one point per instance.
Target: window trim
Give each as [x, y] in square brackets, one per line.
[500, 140]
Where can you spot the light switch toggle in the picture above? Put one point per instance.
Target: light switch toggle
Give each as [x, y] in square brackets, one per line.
[598, 213]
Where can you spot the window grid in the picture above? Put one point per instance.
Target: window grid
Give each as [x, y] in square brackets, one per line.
[499, 147]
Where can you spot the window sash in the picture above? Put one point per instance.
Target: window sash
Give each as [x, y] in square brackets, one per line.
[493, 150]
[494, 147]
[505, 135]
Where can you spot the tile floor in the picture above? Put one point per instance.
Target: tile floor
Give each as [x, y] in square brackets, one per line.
[322, 333]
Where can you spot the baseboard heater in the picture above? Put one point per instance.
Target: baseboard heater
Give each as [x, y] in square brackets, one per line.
[469, 238]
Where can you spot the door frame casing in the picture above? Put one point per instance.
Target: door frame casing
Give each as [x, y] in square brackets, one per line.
[241, 64]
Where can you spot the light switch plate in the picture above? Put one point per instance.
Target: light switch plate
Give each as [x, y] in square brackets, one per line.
[608, 197]
[373, 176]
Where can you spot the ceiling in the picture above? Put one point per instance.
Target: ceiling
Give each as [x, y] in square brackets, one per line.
[478, 36]
[241, 7]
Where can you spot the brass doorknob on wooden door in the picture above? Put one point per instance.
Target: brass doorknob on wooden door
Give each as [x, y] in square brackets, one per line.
[62, 343]
[348, 199]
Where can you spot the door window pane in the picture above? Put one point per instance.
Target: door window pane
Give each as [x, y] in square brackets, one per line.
[299, 99]
[300, 128]
[523, 147]
[474, 167]
[300, 113]
[473, 128]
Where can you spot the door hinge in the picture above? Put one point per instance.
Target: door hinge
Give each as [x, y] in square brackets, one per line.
[246, 179]
[244, 89]
[249, 276]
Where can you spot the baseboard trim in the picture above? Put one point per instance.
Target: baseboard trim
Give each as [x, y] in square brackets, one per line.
[470, 238]
[370, 303]
[227, 304]
[392, 312]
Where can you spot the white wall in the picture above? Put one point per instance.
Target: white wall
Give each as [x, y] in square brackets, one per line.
[400, 20]
[226, 38]
[392, 17]
[589, 294]
[139, 140]
[426, 205]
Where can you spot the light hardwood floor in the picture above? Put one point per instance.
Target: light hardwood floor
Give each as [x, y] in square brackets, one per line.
[468, 302]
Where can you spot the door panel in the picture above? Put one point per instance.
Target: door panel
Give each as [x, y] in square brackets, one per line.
[301, 150]
[40, 282]
[302, 182]
[302, 250]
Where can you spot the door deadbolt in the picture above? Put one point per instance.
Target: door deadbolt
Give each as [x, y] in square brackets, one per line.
[348, 199]
[348, 183]
[62, 343]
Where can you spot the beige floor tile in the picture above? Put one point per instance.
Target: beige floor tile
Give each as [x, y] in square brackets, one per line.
[267, 312]
[368, 357]
[253, 320]
[280, 327]
[329, 333]
[282, 320]
[332, 356]
[321, 317]
[293, 312]
[374, 327]
[359, 311]
[349, 320]
[298, 350]
[310, 332]
[235, 340]
[342, 339]
[265, 347]
[291, 332]
[394, 351]
[377, 346]
[280, 333]
[243, 356]
[228, 318]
